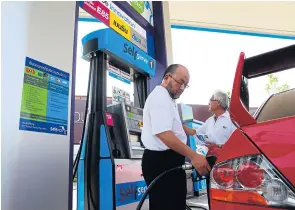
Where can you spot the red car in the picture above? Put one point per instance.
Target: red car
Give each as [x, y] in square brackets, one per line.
[256, 167]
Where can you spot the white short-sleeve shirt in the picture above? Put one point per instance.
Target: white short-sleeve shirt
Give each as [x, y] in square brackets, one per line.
[160, 114]
[218, 130]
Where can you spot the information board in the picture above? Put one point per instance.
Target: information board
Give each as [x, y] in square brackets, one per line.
[44, 105]
[119, 95]
[111, 15]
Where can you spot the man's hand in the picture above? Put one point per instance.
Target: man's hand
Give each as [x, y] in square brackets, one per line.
[200, 163]
[189, 131]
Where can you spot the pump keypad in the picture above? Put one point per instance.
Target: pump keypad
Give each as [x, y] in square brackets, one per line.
[134, 118]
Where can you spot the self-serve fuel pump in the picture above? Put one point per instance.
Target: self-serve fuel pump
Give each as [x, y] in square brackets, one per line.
[109, 170]
[195, 185]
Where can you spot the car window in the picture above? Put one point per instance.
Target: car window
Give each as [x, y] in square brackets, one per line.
[278, 106]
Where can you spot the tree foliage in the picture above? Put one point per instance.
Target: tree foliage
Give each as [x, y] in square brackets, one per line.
[273, 87]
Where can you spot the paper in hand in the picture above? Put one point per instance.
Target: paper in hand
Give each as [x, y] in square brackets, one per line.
[201, 139]
[201, 144]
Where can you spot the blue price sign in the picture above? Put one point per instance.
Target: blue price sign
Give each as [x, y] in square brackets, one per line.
[110, 41]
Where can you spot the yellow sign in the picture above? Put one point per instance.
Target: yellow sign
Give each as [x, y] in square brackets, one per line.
[120, 26]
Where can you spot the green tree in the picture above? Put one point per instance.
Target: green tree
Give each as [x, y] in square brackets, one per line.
[283, 87]
[272, 85]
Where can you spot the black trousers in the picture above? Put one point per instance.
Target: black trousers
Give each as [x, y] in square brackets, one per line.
[169, 192]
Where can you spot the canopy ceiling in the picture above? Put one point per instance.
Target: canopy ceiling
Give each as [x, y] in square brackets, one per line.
[262, 17]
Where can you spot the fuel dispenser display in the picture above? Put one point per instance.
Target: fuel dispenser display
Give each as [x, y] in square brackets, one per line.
[109, 170]
[126, 130]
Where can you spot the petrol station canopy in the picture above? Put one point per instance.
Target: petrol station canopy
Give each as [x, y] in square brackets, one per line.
[258, 17]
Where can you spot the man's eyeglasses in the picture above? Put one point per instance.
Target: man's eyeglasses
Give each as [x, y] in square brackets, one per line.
[211, 100]
[182, 84]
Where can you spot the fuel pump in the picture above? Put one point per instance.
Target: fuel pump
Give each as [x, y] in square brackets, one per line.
[196, 186]
[109, 170]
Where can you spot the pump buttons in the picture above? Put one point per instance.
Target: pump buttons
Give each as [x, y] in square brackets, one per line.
[140, 123]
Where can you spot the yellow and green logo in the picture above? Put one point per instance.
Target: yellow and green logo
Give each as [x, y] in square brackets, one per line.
[138, 6]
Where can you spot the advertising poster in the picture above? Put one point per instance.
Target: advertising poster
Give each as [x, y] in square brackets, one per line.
[144, 8]
[44, 105]
[98, 10]
[112, 16]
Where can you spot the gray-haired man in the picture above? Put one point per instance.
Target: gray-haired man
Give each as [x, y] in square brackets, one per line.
[219, 127]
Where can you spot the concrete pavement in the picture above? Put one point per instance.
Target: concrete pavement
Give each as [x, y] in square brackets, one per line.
[192, 202]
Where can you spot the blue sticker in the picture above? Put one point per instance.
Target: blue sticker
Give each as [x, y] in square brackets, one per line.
[118, 77]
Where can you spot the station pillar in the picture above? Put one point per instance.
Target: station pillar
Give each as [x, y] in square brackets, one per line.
[38, 61]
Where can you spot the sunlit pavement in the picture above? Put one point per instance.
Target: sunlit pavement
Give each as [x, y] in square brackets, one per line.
[202, 200]
[198, 201]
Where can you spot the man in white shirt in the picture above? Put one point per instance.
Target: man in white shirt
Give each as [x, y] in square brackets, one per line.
[165, 142]
[219, 127]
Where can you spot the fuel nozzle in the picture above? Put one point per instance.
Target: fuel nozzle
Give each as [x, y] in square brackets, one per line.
[211, 160]
[187, 166]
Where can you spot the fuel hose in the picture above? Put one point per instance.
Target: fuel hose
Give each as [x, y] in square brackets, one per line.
[183, 167]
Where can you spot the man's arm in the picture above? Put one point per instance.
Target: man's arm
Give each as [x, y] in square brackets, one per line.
[161, 117]
[189, 131]
[198, 161]
[171, 141]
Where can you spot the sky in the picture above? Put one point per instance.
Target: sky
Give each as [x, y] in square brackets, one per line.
[211, 58]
